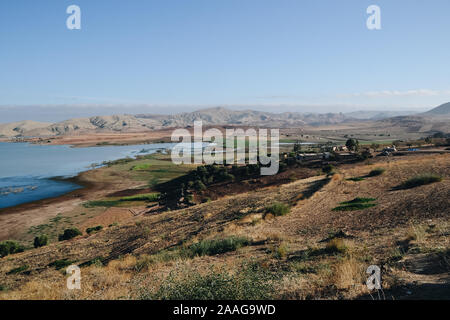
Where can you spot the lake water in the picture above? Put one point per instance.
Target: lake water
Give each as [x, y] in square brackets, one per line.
[26, 169]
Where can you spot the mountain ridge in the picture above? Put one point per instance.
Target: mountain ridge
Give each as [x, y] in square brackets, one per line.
[210, 116]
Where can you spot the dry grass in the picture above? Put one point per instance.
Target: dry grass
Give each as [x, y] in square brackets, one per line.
[138, 255]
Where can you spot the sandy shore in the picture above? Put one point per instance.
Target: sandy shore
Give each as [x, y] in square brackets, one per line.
[100, 139]
[15, 219]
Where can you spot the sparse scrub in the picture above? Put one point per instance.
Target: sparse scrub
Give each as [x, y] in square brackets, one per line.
[278, 209]
[420, 181]
[145, 261]
[415, 233]
[348, 273]
[251, 283]
[217, 246]
[69, 234]
[281, 251]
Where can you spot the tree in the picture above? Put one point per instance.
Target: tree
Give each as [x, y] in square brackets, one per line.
[328, 169]
[199, 186]
[69, 234]
[352, 144]
[40, 241]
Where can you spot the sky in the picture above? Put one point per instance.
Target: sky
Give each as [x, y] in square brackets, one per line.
[180, 55]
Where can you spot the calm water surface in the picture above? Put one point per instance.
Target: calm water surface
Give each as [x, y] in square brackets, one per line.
[26, 169]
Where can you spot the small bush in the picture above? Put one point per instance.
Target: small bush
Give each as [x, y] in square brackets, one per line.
[18, 270]
[199, 186]
[420, 181]
[356, 179]
[94, 229]
[10, 247]
[217, 246]
[281, 252]
[336, 245]
[40, 241]
[278, 209]
[328, 169]
[376, 172]
[98, 262]
[356, 204]
[359, 200]
[354, 207]
[69, 234]
[59, 264]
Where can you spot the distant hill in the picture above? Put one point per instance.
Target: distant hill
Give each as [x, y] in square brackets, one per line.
[149, 122]
[378, 115]
[18, 128]
[223, 116]
[431, 120]
[442, 110]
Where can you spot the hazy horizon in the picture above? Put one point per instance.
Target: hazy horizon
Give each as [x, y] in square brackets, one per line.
[287, 55]
[56, 113]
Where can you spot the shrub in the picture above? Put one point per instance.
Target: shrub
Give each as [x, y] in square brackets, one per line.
[18, 269]
[356, 179]
[352, 144]
[10, 247]
[359, 200]
[217, 246]
[278, 209]
[59, 264]
[356, 204]
[98, 262]
[94, 229]
[199, 185]
[328, 169]
[420, 180]
[40, 241]
[336, 245]
[376, 172]
[281, 252]
[252, 283]
[69, 234]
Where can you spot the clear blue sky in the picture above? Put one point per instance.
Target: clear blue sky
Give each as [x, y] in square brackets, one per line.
[226, 52]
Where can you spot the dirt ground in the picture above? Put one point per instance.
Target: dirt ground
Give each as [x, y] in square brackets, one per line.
[407, 233]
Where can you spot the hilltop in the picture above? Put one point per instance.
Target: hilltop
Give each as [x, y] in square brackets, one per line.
[442, 110]
[150, 122]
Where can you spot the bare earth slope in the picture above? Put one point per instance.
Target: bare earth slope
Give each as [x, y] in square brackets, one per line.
[404, 232]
